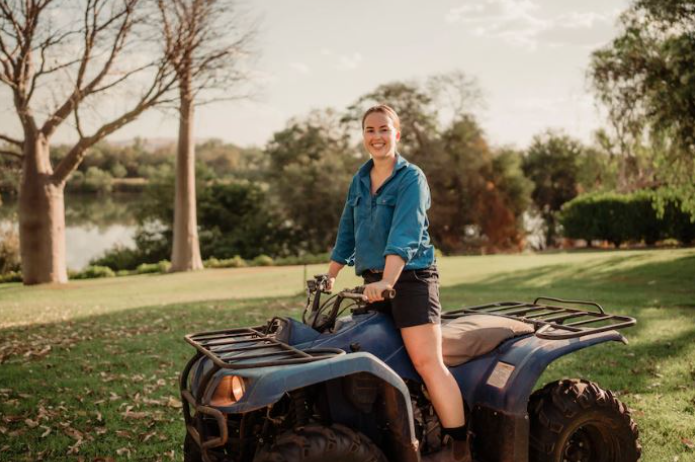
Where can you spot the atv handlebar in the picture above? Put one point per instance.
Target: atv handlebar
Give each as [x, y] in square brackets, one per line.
[357, 294]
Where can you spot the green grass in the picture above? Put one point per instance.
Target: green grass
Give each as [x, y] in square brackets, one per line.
[106, 387]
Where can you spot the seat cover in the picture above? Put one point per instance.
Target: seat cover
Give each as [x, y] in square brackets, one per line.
[473, 335]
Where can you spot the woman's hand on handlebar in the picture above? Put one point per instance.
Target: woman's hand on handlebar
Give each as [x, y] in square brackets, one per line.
[374, 292]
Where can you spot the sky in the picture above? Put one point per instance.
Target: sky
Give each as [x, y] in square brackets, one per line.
[530, 58]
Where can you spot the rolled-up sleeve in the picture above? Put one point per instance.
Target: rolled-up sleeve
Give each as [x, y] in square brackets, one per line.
[344, 249]
[409, 218]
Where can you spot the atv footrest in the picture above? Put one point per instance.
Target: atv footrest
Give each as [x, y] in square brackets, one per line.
[552, 321]
[248, 347]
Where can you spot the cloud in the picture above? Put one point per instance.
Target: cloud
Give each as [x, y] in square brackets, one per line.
[519, 23]
[300, 67]
[349, 62]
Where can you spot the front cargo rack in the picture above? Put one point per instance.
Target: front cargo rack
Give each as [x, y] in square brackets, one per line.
[251, 347]
[552, 321]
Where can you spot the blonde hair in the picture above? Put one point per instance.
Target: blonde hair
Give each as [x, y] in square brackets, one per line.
[386, 110]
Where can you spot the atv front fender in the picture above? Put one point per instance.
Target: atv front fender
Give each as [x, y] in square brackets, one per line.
[265, 386]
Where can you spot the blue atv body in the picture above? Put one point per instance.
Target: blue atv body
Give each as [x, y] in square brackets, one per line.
[348, 391]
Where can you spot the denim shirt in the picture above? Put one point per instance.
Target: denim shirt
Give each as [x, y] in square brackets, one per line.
[391, 222]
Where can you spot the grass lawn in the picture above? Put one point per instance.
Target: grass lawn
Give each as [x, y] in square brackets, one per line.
[89, 370]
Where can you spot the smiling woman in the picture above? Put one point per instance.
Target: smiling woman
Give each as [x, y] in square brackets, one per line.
[383, 233]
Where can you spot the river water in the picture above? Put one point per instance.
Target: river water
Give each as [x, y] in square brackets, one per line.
[93, 224]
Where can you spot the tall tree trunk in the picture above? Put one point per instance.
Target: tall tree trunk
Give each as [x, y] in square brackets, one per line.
[41, 217]
[186, 248]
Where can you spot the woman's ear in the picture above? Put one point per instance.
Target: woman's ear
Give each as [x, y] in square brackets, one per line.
[398, 136]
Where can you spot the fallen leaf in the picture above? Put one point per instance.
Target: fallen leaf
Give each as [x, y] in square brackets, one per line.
[74, 434]
[124, 434]
[122, 451]
[31, 423]
[174, 403]
[46, 432]
[135, 415]
[688, 443]
[147, 436]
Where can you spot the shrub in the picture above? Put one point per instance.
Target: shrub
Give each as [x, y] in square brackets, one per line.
[11, 276]
[9, 251]
[647, 216]
[164, 266]
[119, 258]
[234, 262]
[93, 272]
[262, 260]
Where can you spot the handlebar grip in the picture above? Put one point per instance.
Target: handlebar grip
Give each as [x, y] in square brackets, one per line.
[389, 294]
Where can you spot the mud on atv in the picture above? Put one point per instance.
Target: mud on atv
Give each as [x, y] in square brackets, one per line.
[341, 388]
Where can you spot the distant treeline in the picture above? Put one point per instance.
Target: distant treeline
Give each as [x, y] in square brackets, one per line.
[285, 199]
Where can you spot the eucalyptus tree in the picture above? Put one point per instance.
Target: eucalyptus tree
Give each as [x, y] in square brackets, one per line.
[65, 59]
[646, 79]
[208, 45]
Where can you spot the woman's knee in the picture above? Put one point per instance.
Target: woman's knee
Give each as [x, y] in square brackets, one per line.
[426, 364]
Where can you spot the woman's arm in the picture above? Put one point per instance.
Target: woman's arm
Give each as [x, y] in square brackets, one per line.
[392, 271]
[344, 249]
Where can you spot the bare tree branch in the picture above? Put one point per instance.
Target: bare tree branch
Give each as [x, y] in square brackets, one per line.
[10, 140]
[92, 30]
[155, 95]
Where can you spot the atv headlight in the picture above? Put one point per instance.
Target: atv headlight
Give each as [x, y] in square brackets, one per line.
[230, 390]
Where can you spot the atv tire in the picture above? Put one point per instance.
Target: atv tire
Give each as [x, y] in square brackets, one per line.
[318, 443]
[576, 421]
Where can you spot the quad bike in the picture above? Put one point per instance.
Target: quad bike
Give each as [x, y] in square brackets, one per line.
[340, 387]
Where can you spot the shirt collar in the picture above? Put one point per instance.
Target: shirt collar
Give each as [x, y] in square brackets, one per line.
[367, 166]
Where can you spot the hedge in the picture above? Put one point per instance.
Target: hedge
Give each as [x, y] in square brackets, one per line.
[642, 216]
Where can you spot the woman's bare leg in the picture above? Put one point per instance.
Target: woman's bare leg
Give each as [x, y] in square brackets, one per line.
[424, 346]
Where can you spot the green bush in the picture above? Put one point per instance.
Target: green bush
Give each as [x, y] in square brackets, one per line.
[262, 260]
[11, 276]
[643, 216]
[146, 268]
[93, 272]
[234, 262]
[9, 251]
[119, 258]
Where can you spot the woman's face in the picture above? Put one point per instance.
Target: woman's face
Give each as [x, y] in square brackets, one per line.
[380, 136]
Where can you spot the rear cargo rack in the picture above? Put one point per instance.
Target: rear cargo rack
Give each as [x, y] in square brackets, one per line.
[552, 321]
[249, 347]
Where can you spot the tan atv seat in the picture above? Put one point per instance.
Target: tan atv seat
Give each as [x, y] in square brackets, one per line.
[474, 335]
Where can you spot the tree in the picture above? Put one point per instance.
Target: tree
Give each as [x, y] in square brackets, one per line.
[310, 166]
[415, 108]
[646, 79]
[552, 164]
[475, 188]
[206, 56]
[472, 187]
[92, 50]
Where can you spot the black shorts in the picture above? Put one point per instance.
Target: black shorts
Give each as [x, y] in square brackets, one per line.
[417, 297]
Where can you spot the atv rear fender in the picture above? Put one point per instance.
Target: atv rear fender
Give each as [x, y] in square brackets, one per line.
[498, 385]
